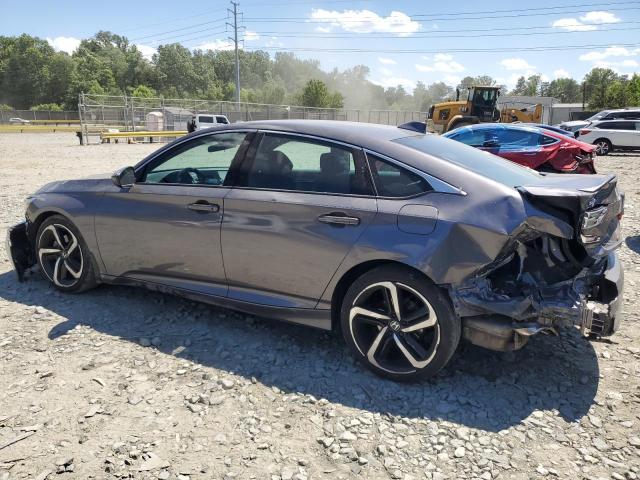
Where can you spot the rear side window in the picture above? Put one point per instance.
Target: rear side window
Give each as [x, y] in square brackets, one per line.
[394, 181]
[205, 119]
[546, 140]
[616, 126]
[284, 162]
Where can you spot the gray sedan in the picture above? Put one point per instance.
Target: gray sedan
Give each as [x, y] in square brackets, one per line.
[403, 242]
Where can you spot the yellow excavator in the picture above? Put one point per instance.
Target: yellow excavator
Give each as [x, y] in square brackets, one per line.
[479, 107]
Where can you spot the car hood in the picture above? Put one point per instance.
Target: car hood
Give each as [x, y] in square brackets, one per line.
[94, 183]
[575, 123]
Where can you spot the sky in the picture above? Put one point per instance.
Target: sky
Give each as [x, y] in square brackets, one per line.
[402, 42]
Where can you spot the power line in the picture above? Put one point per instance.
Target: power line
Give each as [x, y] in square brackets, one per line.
[358, 18]
[153, 35]
[448, 50]
[435, 34]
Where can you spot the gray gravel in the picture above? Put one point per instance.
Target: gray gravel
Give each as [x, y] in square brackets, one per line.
[124, 383]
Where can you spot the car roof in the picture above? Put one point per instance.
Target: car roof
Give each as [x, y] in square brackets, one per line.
[500, 126]
[355, 133]
[617, 120]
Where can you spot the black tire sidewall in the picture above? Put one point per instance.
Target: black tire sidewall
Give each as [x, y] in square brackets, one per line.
[449, 323]
[87, 279]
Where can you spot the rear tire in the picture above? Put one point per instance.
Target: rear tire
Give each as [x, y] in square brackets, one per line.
[603, 146]
[399, 324]
[63, 256]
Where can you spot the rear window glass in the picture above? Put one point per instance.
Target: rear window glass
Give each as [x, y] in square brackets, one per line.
[473, 159]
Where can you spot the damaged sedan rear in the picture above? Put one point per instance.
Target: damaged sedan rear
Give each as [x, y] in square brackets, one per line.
[405, 243]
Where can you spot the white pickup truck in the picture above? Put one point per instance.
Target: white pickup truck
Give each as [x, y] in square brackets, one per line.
[208, 120]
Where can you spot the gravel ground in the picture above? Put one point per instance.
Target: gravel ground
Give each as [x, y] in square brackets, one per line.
[125, 383]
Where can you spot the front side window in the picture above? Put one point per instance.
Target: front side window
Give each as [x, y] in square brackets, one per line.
[202, 161]
[283, 162]
[394, 181]
[221, 119]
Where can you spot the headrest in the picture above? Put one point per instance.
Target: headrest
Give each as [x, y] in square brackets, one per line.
[278, 161]
[332, 164]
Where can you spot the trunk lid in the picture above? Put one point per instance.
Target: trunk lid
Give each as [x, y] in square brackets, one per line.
[591, 204]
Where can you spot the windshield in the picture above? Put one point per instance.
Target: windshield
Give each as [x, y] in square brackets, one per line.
[598, 116]
[478, 161]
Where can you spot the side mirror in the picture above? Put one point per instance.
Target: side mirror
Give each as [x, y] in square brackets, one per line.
[124, 177]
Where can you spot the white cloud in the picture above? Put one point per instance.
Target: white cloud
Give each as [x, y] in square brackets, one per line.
[365, 21]
[274, 42]
[516, 64]
[453, 80]
[442, 62]
[390, 81]
[599, 17]
[561, 73]
[573, 25]
[386, 61]
[587, 22]
[612, 51]
[386, 72]
[215, 45]
[146, 51]
[250, 35]
[64, 44]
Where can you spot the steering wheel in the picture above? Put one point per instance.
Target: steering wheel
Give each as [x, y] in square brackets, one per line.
[191, 175]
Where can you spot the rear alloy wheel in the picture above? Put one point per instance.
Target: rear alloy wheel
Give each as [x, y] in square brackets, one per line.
[603, 146]
[62, 255]
[399, 324]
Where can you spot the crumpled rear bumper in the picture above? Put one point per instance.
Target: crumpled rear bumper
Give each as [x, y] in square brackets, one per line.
[602, 317]
[19, 249]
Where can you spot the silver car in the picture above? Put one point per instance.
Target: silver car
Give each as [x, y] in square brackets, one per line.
[403, 242]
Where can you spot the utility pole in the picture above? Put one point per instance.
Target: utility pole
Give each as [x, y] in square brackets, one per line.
[235, 41]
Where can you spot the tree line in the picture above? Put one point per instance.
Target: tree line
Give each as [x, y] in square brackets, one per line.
[33, 75]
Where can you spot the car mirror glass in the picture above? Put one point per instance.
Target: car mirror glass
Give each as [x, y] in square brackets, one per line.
[124, 177]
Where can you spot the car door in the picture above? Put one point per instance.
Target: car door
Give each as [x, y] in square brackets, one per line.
[636, 135]
[299, 205]
[166, 227]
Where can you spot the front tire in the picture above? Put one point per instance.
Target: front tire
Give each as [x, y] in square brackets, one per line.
[63, 256]
[399, 324]
[603, 146]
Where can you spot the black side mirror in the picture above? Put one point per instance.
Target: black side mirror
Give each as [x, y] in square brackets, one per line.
[493, 142]
[124, 177]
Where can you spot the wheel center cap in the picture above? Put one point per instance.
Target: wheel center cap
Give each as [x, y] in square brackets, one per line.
[394, 325]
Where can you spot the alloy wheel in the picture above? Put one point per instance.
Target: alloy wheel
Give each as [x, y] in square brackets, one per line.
[394, 327]
[60, 255]
[602, 148]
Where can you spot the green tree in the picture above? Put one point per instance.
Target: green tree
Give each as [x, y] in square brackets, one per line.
[316, 94]
[49, 107]
[596, 83]
[634, 90]
[520, 88]
[143, 91]
[567, 90]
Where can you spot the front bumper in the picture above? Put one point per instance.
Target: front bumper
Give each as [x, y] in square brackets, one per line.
[19, 249]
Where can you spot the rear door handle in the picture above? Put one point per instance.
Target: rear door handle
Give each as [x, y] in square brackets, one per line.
[339, 218]
[203, 206]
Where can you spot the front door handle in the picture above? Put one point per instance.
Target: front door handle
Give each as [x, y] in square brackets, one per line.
[338, 218]
[202, 206]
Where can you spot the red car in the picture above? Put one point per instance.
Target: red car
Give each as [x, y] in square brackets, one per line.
[534, 147]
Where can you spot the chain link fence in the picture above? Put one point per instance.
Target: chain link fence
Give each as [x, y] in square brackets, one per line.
[39, 116]
[102, 113]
